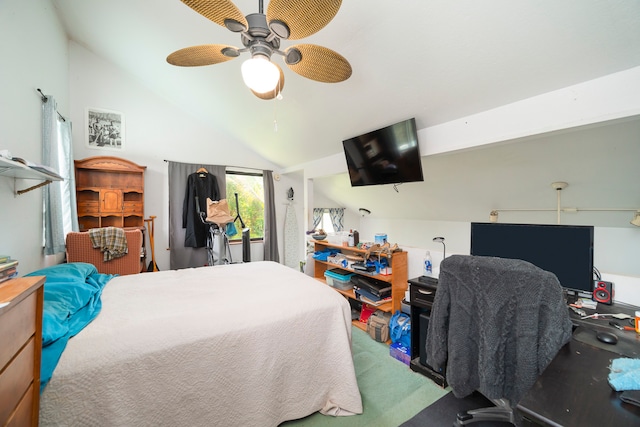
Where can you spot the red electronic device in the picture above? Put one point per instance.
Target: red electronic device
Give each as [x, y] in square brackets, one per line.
[603, 292]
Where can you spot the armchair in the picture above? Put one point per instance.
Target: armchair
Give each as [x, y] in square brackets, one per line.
[495, 325]
[80, 249]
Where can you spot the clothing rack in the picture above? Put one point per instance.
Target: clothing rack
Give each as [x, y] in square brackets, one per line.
[45, 99]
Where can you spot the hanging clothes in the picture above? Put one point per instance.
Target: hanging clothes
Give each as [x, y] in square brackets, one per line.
[200, 185]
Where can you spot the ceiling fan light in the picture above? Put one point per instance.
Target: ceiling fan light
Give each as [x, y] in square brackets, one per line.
[260, 74]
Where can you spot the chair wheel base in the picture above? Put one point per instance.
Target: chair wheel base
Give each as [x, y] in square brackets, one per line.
[463, 416]
[500, 413]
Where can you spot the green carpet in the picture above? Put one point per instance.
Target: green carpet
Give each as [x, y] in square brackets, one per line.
[391, 392]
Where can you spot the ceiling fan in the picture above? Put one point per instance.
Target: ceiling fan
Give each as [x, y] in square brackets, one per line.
[261, 35]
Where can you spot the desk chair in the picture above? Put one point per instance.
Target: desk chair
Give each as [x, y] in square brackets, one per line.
[495, 325]
[80, 249]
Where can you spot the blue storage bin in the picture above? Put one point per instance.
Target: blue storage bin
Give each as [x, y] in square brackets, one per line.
[339, 279]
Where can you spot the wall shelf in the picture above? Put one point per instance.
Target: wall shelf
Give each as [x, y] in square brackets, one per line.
[17, 170]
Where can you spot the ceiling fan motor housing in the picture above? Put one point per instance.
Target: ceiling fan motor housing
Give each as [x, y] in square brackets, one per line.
[259, 39]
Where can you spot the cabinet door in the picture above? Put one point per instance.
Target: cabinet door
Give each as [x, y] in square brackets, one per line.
[111, 200]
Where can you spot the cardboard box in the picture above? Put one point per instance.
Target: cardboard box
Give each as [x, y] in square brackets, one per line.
[400, 352]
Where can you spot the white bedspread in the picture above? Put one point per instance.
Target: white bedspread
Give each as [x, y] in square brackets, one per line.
[250, 344]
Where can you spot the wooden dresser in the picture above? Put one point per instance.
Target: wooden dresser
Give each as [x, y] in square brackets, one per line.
[20, 350]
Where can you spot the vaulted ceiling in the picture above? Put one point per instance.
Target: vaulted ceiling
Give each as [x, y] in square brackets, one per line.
[436, 60]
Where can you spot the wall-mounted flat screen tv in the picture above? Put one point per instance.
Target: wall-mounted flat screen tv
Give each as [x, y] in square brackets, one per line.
[390, 155]
[564, 250]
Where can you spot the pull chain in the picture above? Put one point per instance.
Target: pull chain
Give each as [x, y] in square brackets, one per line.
[275, 103]
[275, 118]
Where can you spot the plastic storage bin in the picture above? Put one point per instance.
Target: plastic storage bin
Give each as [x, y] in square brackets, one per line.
[400, 352]
[339, 279]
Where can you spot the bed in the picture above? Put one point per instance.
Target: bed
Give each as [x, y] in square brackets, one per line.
[250, 344]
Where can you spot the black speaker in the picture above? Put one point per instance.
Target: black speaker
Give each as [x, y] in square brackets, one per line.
[603, 292]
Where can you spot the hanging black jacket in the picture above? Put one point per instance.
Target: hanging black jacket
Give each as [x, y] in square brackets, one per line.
[200, 185]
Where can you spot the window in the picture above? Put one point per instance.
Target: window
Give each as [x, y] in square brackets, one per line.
[250, 190]
[325, 223]
[58, 198]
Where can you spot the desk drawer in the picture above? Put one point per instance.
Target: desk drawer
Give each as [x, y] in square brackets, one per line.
[422, 296]
[16, 326]
[15, 380]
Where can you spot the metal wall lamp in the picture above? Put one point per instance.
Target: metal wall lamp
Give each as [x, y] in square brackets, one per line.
[444, 247]
[559, 186]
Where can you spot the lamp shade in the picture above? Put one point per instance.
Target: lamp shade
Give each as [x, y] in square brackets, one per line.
[260, 74]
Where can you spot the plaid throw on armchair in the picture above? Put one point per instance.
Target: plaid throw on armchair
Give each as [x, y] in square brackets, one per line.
[110, 240]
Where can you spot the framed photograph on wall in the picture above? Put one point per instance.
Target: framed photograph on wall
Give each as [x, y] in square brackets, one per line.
[105, 129]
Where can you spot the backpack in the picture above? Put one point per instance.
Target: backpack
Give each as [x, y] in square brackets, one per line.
[378, 326]
[400, 328]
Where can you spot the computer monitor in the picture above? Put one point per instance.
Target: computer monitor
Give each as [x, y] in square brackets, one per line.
[565, 250]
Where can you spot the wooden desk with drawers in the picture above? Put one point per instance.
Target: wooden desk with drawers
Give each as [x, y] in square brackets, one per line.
[20, 350]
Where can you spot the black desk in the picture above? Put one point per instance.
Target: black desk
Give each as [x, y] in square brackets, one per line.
[573, 390]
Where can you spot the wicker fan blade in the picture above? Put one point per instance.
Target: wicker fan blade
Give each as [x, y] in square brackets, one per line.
[317, 63]
[222, 12]
[302, 17]
[278, 90]
[206, 54]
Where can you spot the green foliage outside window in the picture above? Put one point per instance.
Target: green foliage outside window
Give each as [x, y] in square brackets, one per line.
[251, 199]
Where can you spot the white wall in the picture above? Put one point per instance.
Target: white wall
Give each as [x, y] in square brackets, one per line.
[34, 55]
[155, 131]
[37, 54]
[610, 98]
[615, 249]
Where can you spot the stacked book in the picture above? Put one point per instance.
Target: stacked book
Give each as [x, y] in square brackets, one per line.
[8, 268]
[371, 291]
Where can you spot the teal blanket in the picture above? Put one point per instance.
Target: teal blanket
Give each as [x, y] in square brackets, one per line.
[71, 301]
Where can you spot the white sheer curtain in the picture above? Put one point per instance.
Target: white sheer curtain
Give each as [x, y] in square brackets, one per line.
[59, 197]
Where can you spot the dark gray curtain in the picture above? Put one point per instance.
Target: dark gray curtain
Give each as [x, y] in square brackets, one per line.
[179, 255]
[270, 234]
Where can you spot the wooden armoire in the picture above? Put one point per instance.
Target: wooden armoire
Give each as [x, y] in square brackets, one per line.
[109, 192]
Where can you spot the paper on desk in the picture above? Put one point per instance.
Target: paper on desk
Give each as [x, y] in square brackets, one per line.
[587, 303]
[621, 316]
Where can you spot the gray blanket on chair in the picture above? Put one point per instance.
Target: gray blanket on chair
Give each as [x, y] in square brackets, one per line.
[495, 325]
